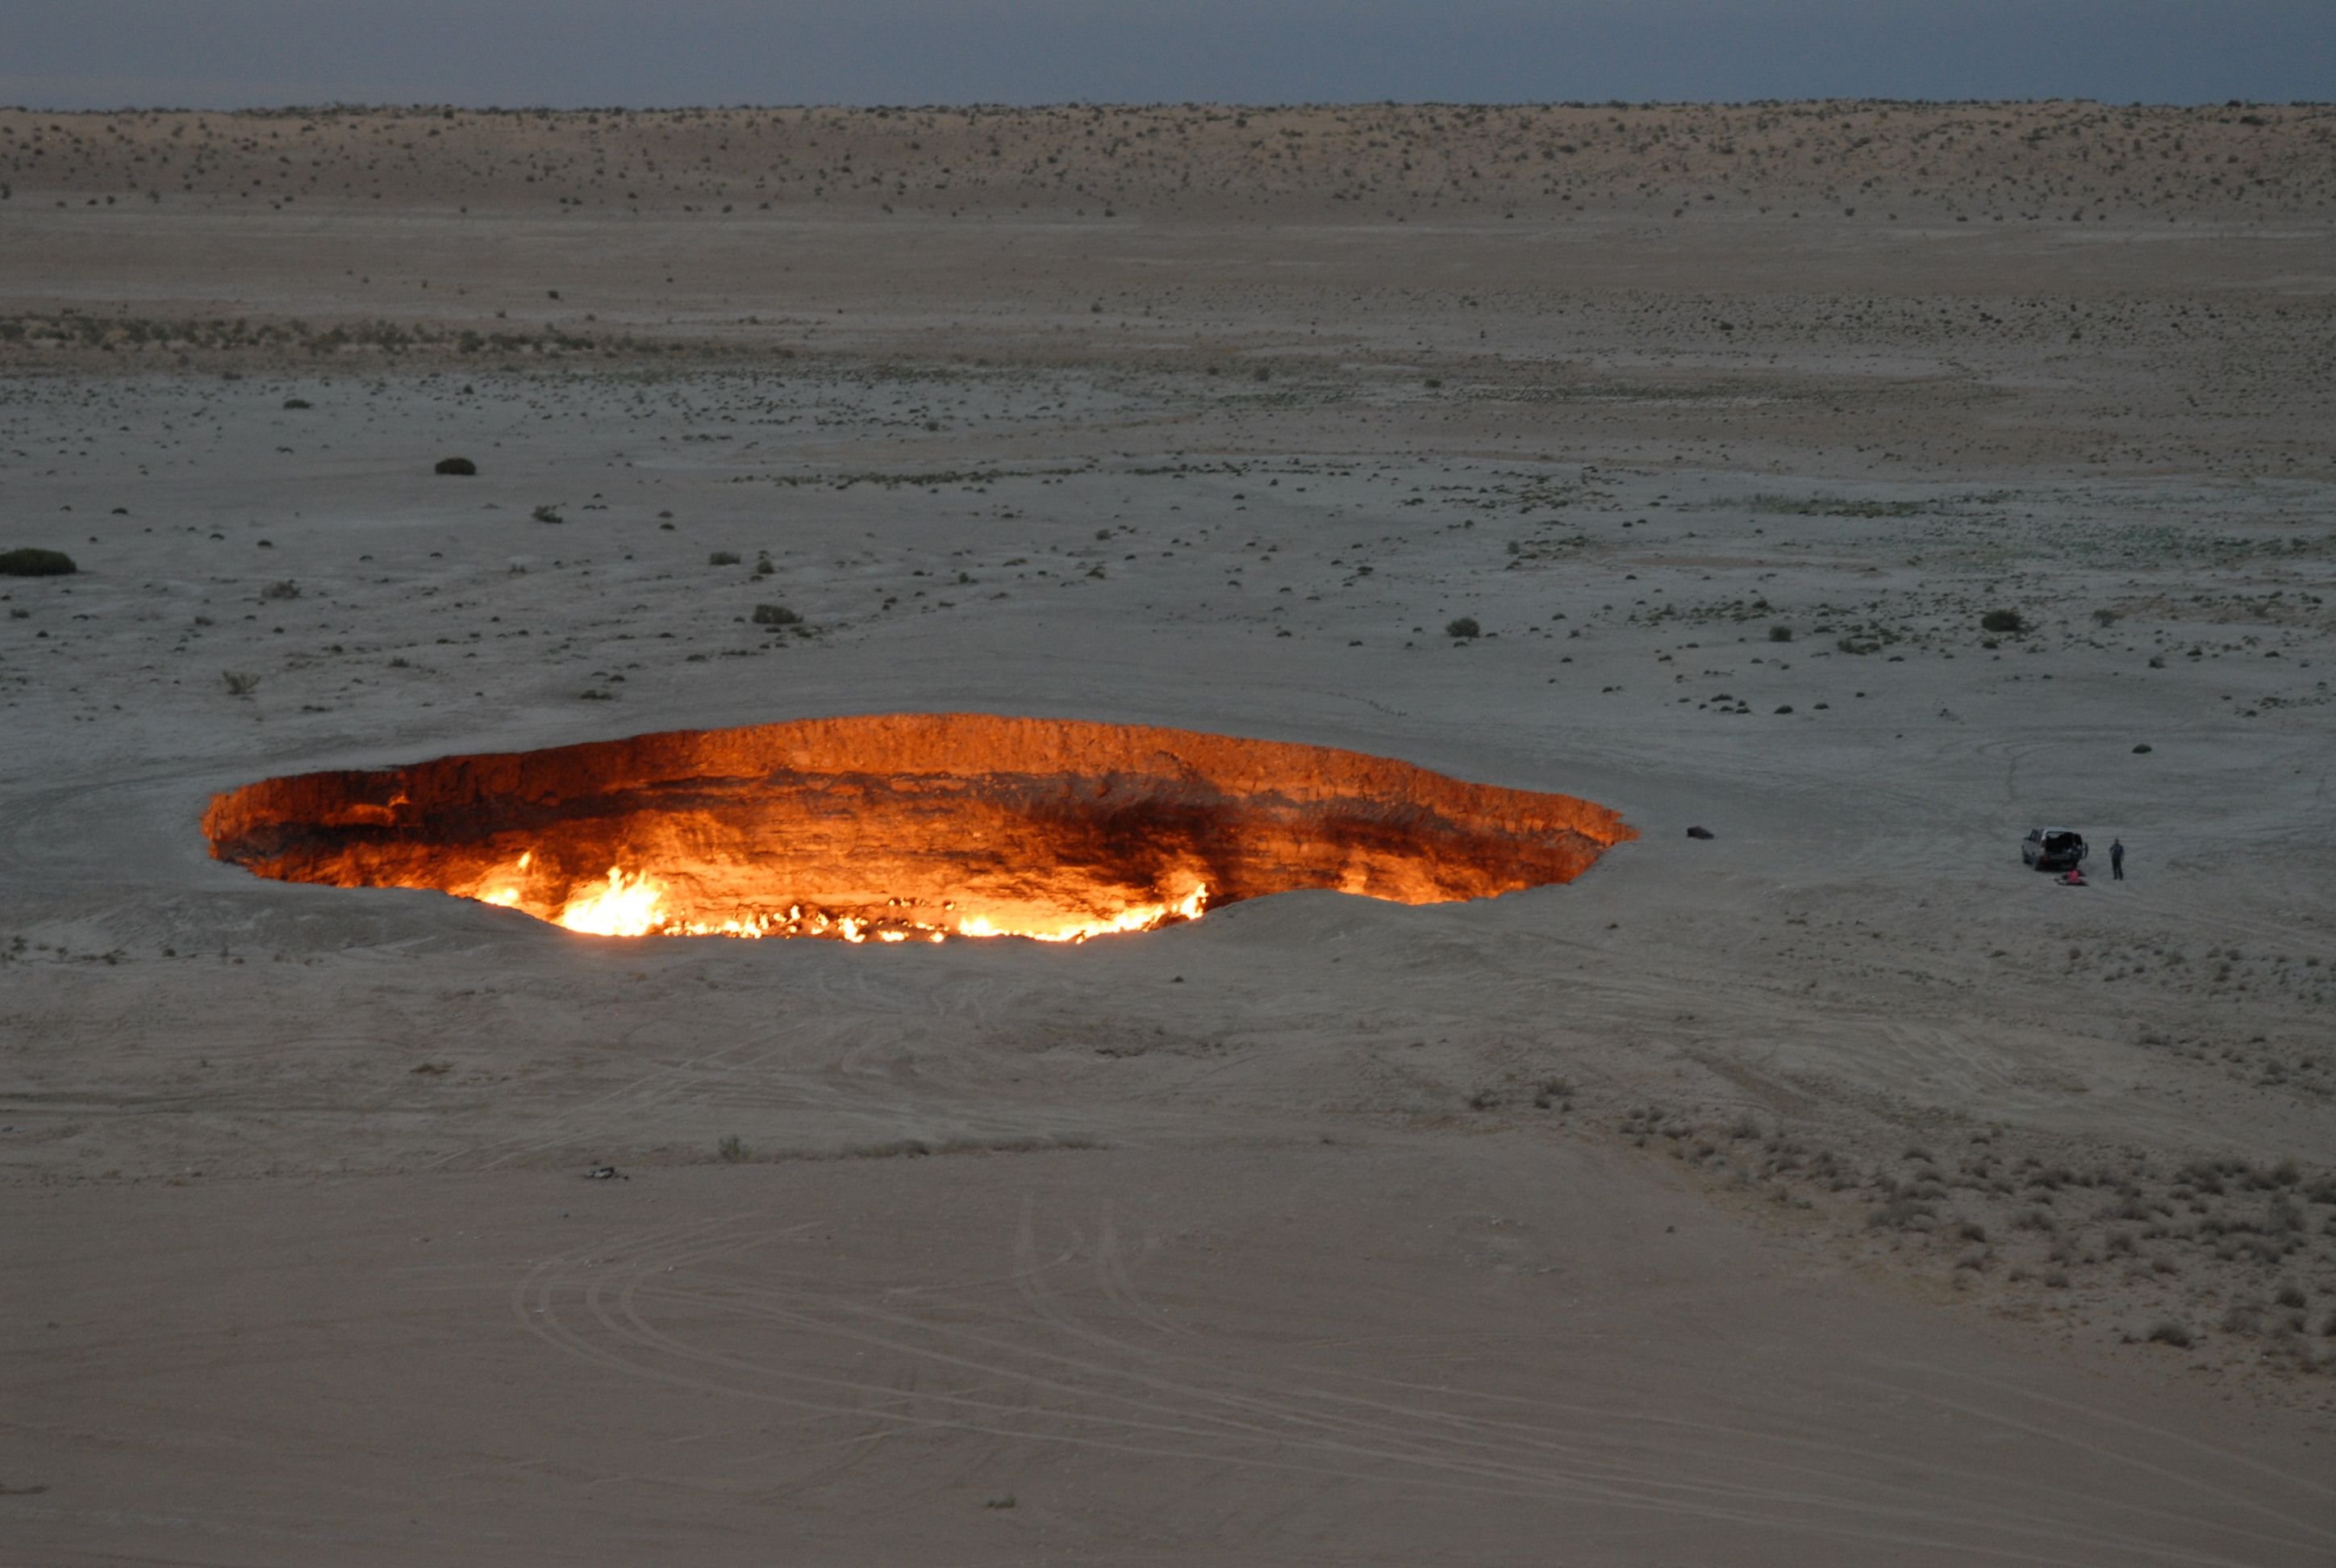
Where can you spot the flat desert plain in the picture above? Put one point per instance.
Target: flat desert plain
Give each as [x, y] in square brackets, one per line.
[1863, 483]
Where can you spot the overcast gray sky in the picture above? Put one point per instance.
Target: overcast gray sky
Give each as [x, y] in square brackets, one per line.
[224, 54]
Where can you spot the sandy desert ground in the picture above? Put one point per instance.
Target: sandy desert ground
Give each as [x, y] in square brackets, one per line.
[1831, 1189]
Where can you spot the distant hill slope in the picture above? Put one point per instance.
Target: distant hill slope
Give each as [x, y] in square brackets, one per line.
[1976, 163]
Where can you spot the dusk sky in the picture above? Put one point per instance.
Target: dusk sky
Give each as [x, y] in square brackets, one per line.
[224, 54]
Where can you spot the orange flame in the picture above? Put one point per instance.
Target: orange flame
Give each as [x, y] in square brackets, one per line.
[634, 904]
[625, 907]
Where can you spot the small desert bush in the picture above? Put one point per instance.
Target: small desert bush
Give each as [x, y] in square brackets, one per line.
[774, 615]
[1463, 626]
[1901, 1213]
[36, 563]
[1781, 634]
[461, 466]
[547, 514]
[287, 589]
[2170, 1332]
[2004, 620]
[732, 1149]
[723, 557]
[238, 682]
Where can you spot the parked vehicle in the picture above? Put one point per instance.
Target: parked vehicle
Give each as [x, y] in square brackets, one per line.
[2053, 849]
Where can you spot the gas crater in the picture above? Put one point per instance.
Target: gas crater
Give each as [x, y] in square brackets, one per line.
[907, 827]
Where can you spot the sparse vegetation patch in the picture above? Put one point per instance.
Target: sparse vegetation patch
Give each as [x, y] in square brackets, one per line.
[36, 563]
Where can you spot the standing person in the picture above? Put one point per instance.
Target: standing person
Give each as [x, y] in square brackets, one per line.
[2117, 860]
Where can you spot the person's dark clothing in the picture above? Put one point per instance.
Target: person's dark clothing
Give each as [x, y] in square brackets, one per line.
[2116, 861]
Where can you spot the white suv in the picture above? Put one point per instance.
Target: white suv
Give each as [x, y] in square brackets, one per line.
[2052, 848]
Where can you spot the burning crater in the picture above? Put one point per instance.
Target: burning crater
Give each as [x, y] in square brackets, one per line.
[907, 827]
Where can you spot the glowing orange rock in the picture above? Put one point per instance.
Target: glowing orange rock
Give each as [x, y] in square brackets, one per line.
[895, 826]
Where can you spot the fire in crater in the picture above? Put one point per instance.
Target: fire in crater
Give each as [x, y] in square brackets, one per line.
[907, 827]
